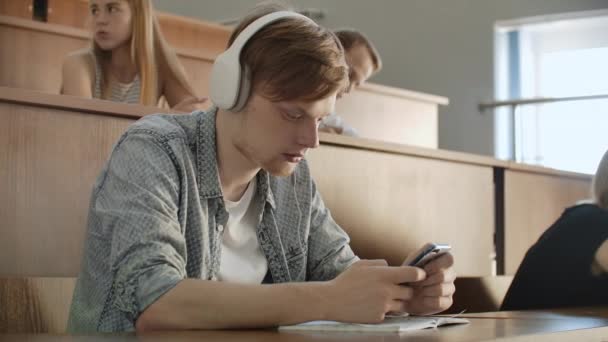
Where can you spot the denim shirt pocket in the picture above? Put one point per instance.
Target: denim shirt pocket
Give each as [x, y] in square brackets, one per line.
[296, 246]
[296, 261]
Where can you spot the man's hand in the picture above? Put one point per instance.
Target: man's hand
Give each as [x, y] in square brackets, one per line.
[434, 294]
[369, 289]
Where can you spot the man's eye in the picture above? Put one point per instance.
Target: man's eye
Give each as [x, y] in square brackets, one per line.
[292, 116]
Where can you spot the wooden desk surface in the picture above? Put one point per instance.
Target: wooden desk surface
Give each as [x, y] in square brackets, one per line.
[594, 312]
[555, 325]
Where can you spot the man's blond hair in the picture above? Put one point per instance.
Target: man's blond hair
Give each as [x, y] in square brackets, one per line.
[292, 58]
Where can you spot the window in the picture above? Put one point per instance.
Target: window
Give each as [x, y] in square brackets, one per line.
[554, 57]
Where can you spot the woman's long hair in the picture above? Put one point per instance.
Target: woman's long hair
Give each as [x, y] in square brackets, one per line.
[150, 53]
[600, 183]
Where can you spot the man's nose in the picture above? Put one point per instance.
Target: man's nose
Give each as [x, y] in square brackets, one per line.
[309, 134]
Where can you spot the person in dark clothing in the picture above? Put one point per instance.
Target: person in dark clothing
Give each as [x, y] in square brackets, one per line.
[568, 265]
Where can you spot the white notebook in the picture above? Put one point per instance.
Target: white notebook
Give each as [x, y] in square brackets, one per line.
[390, 324]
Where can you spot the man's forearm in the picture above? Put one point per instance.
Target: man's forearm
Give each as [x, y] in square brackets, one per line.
[200, 304]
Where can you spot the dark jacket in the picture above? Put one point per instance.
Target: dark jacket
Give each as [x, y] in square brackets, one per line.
[556, 271]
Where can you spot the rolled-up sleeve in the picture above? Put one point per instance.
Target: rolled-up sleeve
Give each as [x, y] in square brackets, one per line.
[329, 252]
[137, 209]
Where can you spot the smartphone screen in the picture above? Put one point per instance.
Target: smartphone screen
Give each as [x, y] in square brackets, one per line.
[427, 253]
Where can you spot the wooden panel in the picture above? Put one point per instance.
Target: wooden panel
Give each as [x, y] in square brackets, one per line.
[198, 71]
[32, 59]
[533, 202]
[391, 204]
[35, 305]
[37, 50]
[20, 307]
[16, 8]
[480, 294]
[180, 32]
[415, 151]
[191, 34]
[74, 13]
[390, 116]
[54, 158]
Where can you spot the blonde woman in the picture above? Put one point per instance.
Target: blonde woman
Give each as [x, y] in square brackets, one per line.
[600, 197]
[568, 265]
[129, 60]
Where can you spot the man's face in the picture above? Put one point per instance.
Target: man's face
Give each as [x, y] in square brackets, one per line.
[276, 135]
[361, 65]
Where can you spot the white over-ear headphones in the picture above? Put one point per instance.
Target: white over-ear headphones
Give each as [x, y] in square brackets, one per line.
[230, 82]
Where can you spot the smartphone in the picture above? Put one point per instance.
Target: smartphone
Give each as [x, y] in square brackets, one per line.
[424, 255]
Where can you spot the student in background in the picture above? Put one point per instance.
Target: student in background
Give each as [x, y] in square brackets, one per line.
[568, 265]
[129, 60]
[363, 61]
[213, 221]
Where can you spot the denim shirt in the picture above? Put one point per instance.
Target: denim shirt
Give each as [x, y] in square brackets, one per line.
[156, 217]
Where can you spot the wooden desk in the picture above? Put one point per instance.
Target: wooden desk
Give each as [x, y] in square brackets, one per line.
[51, 154]
[479, 294]
[389, 197]
[392, 114]
[567, 328]
[533, 201]
[565, 313]
[17, 8]
[391, 201]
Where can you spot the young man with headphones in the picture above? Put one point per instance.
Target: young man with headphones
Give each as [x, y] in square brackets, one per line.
[212, 220]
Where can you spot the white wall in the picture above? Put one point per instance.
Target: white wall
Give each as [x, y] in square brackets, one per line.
[442, 47]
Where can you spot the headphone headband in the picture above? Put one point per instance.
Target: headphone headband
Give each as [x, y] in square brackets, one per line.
[229, 81]
[244, 36]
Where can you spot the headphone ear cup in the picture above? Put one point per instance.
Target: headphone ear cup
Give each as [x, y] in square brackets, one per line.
[244, 89]
[230, 84]
[225, 81]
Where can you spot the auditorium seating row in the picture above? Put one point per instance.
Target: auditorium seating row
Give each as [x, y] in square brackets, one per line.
[34, 53]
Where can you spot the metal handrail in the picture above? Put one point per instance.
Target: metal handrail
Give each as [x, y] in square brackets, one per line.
[513, 103]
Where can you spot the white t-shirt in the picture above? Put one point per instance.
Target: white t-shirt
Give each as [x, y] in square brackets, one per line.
[242, 260]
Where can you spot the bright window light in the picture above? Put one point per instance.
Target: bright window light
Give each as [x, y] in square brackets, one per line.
[554, 59]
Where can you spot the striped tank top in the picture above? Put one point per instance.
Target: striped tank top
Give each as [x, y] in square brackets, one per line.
[119, 92]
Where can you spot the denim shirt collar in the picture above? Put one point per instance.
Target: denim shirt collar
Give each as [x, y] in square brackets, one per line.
[206, 154]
